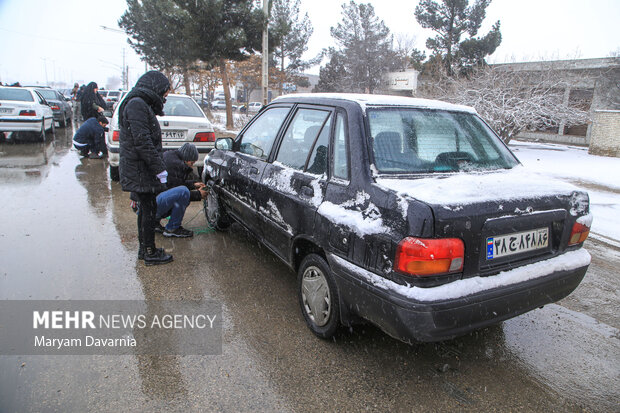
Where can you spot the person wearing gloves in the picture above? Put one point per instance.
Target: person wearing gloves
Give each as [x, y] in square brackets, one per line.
[141, 166]
[183, 188]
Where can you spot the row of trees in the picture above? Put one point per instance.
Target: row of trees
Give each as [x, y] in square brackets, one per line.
[212, 40]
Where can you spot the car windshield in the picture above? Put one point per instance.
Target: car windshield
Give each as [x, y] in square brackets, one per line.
[409, 140]
[48, 94]
[181, 106]
[21, 95]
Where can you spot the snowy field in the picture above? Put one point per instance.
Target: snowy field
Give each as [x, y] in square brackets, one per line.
[599, 175]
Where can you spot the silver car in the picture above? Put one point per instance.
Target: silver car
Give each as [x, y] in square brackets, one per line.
[183, 122]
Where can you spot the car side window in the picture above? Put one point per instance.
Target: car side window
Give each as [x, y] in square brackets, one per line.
[300, 137]
[341, 161]
[318, 160]
[258, 138]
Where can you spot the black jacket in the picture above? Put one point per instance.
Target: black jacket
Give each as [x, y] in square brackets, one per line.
[89, 100]
[140, 134]
[179, 174]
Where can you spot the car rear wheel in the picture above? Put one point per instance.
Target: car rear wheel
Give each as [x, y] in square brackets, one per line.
[114, 174]
[216, 216]
[318, 296]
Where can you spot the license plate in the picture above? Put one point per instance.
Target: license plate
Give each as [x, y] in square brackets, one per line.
[174, 135]
[6, 110]
[509, 244]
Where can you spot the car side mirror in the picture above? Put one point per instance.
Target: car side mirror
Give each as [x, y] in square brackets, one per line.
[224, 144]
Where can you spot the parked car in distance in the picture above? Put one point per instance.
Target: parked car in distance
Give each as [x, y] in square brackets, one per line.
[24, 109]
[113, 97]
[251, 107]
[218, 105]
[183, 122]
[61, 106]
[410, 214]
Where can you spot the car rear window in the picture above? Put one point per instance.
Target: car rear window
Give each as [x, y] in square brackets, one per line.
[48, 94]
[115, 94]
[410, 140]
[178, 106]
[21, 95]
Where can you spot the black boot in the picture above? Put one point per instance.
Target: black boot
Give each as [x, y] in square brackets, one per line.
[141, 252]
[156, 256]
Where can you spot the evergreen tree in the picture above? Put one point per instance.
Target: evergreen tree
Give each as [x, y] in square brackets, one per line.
[290, 34]
[365, 47]
[156, 31]
[451, 20]
[333, 77]
[222, 30]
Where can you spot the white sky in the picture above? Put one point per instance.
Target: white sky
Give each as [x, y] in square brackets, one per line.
[45, 41]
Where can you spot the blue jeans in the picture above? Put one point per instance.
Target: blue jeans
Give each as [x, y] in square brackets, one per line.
[174, 201]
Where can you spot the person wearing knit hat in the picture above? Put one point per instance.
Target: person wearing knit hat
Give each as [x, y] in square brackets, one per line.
[183, 186]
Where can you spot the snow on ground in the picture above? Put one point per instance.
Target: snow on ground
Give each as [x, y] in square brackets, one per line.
[598, 175]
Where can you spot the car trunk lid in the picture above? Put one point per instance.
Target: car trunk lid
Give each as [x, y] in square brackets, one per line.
[504, 218]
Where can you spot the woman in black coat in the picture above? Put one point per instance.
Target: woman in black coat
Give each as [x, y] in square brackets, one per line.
[141, 166]
[91, 102]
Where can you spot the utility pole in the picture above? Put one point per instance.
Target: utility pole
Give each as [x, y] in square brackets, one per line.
[265, 82]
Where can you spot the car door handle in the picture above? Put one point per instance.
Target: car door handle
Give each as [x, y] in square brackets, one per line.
[253, 171]
[307, 191]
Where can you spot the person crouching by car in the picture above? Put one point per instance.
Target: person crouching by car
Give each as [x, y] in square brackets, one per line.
[183, 188]
[90, 137]
[141, 166]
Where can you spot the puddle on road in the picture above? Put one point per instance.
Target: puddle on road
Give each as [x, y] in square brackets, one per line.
[570, 352]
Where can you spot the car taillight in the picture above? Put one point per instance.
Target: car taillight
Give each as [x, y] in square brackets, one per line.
[425, 256]
[55, 107]
[205, 137]
[578, 234]
[115, 136]
[27, 113]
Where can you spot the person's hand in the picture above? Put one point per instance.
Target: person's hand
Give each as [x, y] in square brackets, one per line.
[100, 109]
[203, 193]
[199, 185]
[163, 177]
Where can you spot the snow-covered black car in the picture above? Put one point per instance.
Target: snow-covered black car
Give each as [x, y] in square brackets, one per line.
[407, 213]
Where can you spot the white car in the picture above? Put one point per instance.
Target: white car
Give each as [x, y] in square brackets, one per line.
[183, 122]
[24, 109]
[254, 107]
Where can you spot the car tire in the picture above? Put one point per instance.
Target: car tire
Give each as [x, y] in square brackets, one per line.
[43, 135]
[215, 214]
[114, 174]
[318, 296]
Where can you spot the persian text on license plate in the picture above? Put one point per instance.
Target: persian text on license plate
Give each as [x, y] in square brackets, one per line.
[6, 110]
[174, 135]
[504, 245]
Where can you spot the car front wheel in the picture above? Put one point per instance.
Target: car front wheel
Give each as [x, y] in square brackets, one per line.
[318, 296]
[216, 216]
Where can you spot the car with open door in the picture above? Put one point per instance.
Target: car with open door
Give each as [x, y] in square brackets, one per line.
[410, 214]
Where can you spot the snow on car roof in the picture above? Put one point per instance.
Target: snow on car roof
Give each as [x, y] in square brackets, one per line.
[365, 100]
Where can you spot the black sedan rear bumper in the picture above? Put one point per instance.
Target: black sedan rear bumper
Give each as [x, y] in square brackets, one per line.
[390, 307]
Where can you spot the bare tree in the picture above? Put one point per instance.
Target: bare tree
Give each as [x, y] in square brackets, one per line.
[512, 101]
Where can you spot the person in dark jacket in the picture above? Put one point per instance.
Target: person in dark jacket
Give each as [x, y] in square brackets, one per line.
[183, 188]
[92, 104]
[141, 166]
[90, 137]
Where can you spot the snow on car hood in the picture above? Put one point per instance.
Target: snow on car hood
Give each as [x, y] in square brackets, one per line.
[468, 188]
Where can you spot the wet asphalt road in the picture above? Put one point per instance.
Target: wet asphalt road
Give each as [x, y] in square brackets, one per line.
[68, 233]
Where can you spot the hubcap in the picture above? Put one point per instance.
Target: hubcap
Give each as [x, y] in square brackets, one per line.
[315, 295]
